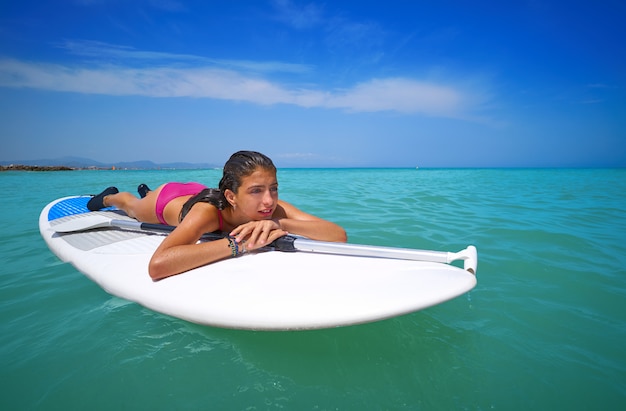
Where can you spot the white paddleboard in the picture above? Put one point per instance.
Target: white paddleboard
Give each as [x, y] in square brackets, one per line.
[270, 290]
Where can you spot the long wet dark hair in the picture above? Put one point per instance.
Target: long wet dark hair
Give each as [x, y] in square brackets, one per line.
[239, 165]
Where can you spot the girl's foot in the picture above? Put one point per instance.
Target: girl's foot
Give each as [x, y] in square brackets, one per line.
[97, 202]
[143, 190]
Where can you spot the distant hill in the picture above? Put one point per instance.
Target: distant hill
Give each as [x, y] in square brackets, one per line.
[79, 162]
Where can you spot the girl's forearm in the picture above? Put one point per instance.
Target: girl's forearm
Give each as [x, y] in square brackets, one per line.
[321, 230]
[178, 259]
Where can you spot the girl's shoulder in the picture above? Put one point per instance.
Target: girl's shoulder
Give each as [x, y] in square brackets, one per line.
[202, 207]
[202, 216]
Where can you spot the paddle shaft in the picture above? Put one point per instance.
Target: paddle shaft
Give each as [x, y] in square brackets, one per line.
[291, 243]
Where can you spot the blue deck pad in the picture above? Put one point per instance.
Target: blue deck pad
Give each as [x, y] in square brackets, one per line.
[70, 206]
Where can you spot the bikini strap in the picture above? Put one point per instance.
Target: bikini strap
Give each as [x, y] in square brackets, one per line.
[221, 219]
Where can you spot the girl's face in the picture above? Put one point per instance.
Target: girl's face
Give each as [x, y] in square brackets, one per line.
[257, 196]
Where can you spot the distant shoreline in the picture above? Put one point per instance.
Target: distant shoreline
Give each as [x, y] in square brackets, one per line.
[20, 167]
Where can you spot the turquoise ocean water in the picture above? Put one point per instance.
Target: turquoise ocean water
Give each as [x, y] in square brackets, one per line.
[545, 328]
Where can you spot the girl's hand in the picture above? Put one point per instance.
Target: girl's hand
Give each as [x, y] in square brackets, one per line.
[258, 234]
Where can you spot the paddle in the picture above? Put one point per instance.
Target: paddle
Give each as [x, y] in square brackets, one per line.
[288, 243]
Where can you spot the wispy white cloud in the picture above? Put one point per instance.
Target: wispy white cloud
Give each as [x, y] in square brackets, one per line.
[592, 101]
[149, 82]
[341, 34]
[400, 94]
[168, 5]
[171, 76]
[345, 34]
[103, 52]
[296, 156]
[597, 85]
[298, 17]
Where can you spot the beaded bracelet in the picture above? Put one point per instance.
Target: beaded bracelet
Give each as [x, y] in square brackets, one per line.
[234, 247]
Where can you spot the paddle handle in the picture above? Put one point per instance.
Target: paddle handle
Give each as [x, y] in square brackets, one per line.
[291, 243]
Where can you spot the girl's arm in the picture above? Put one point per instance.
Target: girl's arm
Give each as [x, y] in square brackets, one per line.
[288, 219]
[180, 250]
[298, 222]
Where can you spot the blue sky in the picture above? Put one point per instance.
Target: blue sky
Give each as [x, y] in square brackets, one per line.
[337, 83]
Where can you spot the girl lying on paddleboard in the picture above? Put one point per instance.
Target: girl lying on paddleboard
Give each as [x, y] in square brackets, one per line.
[245, 205]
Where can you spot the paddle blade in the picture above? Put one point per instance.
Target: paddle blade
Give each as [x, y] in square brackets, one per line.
[82, 224]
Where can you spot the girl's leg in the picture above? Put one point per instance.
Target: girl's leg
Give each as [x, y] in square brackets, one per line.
[143, 209]
[124, 201]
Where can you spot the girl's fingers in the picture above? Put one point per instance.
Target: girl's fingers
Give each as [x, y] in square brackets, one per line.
[257, 232]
